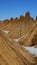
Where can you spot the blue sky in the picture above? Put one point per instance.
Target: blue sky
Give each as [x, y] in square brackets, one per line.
[15, 8]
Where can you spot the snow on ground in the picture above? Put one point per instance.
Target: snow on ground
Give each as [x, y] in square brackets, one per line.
[16, 40]
[32, 50]
[5, 31]
[20, 38]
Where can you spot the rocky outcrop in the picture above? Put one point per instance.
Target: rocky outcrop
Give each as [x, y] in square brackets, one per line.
[27, 39]
[18, 27]
[12, 53]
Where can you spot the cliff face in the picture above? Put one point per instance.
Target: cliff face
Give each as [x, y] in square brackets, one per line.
[18, 27]
[30, 38]
[33, 37]
[12, 53]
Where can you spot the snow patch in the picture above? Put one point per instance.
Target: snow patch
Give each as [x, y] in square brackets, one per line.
[19, 38]
[5, 31]
[31, 50]
[16, 40]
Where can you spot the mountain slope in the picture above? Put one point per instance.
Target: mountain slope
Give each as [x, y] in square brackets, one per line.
[13, 53]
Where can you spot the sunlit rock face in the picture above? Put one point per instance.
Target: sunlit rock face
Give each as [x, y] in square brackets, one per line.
[11, 52]
[18, 41]
[19, 26]
[30, 38]
[3, 24]
[27, 15]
